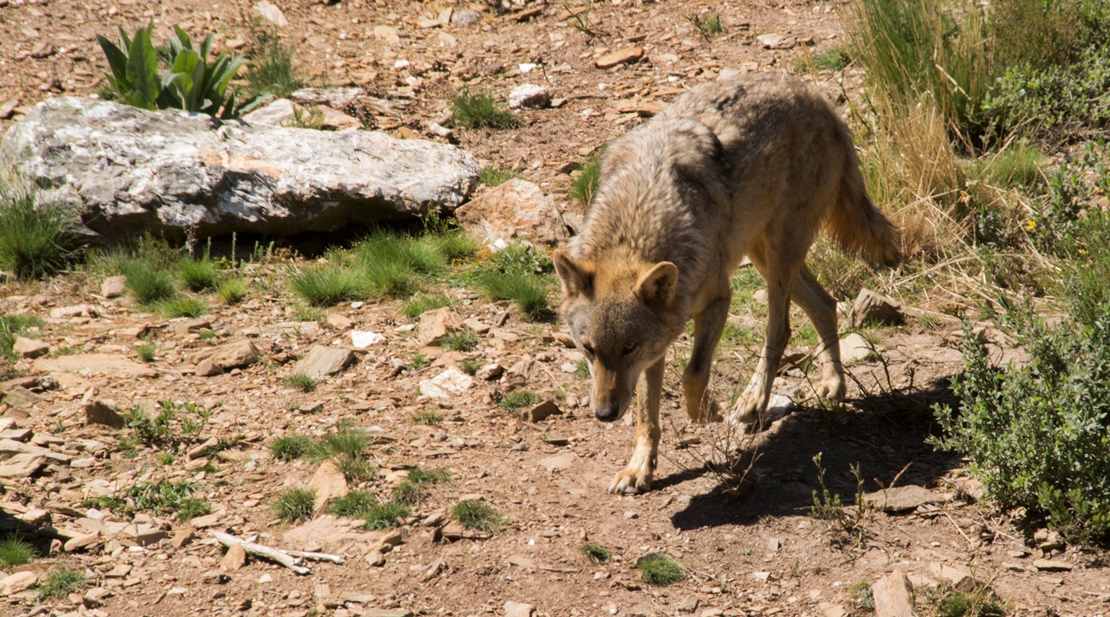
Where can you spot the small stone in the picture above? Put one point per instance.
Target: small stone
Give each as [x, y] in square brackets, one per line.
[464, 17]
[265, 578]
[22, 465]
[328, 482]
[335, 120]
[559, 461]
[339, 321]
[234, 558]
[893, 595]
[277, 113]
[80, 541]
[774, 544]
[621, 56]
[321, 362]
[375, 558]
[15, 583]
[855, 348]
[436, 324]
[776, 41]
[903, 498]
[447, 384]
[518, 609]
[208, 520]
[542, 411]
[688, 605]
[1052, 565]
[1049, 540]
[207, 368]
[958, 576]
[529, 96]
[30, 348]
[98, 412]
[872, 309]
[489, 372]
[113, 286]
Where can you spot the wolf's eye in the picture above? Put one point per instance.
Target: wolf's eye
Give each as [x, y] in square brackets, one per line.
[629, 348]
[588, 348]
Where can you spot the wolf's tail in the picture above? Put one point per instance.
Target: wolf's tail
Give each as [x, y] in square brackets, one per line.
[858, 226]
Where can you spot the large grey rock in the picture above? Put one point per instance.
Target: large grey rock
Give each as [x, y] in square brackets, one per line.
[130, 170]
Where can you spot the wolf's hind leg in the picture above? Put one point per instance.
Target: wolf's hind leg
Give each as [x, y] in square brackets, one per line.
[820, 307]
[708, 326]
[637, 476]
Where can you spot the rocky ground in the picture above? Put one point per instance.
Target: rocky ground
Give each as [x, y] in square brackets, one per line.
[752, 551]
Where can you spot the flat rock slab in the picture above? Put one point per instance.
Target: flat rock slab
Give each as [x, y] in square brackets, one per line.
[620, 56]
[30, 348]
[22, 465]
[173, 173]
[97, 412]
[893, 595]
[235, 354]
[1052, 565]
[855, 348]
[559, 461]
[97, 363]
[871, 308]
[328, 483]
[322, 361]
[516, 210]
[903, 498]
[17, 582]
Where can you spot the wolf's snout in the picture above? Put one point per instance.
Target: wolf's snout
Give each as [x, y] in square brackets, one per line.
[607, 412]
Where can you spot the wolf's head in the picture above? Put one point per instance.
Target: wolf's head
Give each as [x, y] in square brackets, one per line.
[622, 316]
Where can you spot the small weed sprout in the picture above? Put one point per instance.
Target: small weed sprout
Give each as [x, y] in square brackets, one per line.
[860, 593]
[706, 25]
[583, 186]
[147, 352]
[516, 400]
[60, 583]
[415, 487]
[493, 176]
[476, 515]
[191, 508]
[423, 303]
[470, 367]
[295, 504]
[596, 552]
[419, 361]
[478, 111]
[307, 117]
[582, 369]
[845, 525]
[300, 381]
[427, 418]
[527, 291]
[460, 340]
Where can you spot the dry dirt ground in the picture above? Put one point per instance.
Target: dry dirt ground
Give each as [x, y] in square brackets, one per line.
[756, 553]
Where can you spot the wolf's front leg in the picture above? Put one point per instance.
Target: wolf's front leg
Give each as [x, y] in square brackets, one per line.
[752, 404]
[636, 477]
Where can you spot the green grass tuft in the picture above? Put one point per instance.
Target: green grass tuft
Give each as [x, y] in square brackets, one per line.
[422, 303]
[15, 551]
[36, 238]
[295, 504]
[290, 447]
[232, 291]
[479, 111]
[476, 515]
[427, 418]
[385, 515]
[12, 326]
[461, 340]
[198, 274]
[528, 292]
[521, 398]
[660, 570]
[60, 583]
[270, 62]
[470, 367]
[493, 176]
[582, 187]
[327, 285]
[147, 283]
[147, 351]
[182, 307]
[300, 381]
[596, 552]
[191, 508]
[355, 504]
[582, 369]
[415, 487]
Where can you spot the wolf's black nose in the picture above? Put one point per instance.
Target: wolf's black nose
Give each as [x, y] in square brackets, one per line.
[607, 412]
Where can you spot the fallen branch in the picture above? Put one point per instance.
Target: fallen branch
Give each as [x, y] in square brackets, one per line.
[259, 550]
[316, 556]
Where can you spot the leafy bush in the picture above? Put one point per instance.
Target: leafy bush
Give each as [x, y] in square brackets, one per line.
[36, 237]
[1038, 34]
[165, 497]
[175, 424]
[191, 83]
[477, 111]
[1038, 432]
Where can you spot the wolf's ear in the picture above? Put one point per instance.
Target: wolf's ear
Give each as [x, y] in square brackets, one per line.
[656, 287]
[577, 277]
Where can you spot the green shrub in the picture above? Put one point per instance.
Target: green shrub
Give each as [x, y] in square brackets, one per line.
[1037, 432]
[347, 448]
[582, 369]
[290, 447]
[147, 283]
[162, 497]
[659, 570]
[706, 25]
[147, 351]
[327, 285]
[478, 111]
[300, 381]
[494, 176]
[295, 504]
[198, 274]
[476, 515]
[518, 399]
[175, 424]
[15, 551]
[1038, 34]
[583, 186]
[232, 291]
[36, 237]
[385, 515]
[182, 307]
[60, 583]
[191, 83]
[1055, 103]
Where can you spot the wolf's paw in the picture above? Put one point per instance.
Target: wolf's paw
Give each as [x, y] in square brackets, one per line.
[709, 412]
[748, 409]
[631, 481]
[830, 389]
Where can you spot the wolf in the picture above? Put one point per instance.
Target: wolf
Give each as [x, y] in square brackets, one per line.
[749, 167]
